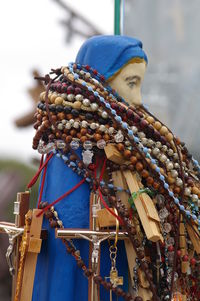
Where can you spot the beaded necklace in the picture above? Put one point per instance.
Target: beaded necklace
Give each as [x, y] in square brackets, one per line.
[79, 109]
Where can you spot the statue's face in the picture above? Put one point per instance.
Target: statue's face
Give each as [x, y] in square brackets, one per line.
[128, 82]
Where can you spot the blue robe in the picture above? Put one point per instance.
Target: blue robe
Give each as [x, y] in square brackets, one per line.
[58, 277]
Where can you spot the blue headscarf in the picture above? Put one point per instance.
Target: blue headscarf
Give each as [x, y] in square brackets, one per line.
[108, 53]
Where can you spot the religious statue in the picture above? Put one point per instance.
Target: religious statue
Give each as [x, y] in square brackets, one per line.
[120, 194]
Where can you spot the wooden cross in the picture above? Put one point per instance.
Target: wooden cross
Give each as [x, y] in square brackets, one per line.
[15, 232]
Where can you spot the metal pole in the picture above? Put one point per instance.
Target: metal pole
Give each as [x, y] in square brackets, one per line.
[117, 29]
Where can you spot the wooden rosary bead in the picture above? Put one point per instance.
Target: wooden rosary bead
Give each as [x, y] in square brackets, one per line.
[164, 130]
[141, 254]
[68, 139]
[150, 180]
[48, 214]
[80, 263]
[83, 139]
[136, 242]
[157, 125]
[150, 119]
[42, 205]
[156, 185]
[83, 132]
[144, 173]
[53, 224]
[139, 166]
[97, 137]
[107, 285]
[133, 159]
[106, 137]
[88, 273]
[119, 291]
[131, 167]
[169, 137]
[73, 133]
[127, 153]
[120, 147]
[98, 279]
[72, 158]
[133, 230]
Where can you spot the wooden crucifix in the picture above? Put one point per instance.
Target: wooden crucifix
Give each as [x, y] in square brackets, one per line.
[22, 256]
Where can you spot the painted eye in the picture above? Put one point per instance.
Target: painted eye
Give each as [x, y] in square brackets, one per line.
[131, 84]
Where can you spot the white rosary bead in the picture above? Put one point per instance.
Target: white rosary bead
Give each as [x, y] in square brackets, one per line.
[176, 165]
[170, 152]
[170, 166]
[86, 102]
[64, 96]
[60, 223]
[155, 151]
[144, 141]
[111, 130]
[93, 126]
[104, 114]
[70, 97]
[150, 143]
[175, 155]
[64, 121]
[158, 144]
[55, 213]
[84, 124]
[94, 106]
[141, 135]
[164, 148]
[174, 173]
[163, 158]
[179, 182]
[79, 97]
[134, 129]
[102, 128]
[71, 121]
[68, 125]
[195, 197]
[60, 126]
[187, 191]
[76, 125]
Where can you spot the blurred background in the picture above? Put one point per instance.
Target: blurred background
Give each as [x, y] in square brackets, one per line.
[39, 35]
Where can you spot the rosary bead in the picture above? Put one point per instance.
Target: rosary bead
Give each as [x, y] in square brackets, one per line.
[97, 137]
[43, 205]
[88, 273]
[127, 153]
[53, 224]
[144, 173]
[98, 279]
[136, 243]
[141, 254]
[48, 214]
[119, 291]
[107, 285]
[150, 180]
[68, 139]
[139, 166]
[120, 146]
[133, 159]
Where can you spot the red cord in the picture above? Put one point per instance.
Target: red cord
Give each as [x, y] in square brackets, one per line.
[62, 197]
[42, 165]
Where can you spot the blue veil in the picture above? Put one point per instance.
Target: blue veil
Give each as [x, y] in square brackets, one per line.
[107, 53]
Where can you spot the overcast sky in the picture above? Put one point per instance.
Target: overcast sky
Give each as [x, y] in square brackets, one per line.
[32, 37]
